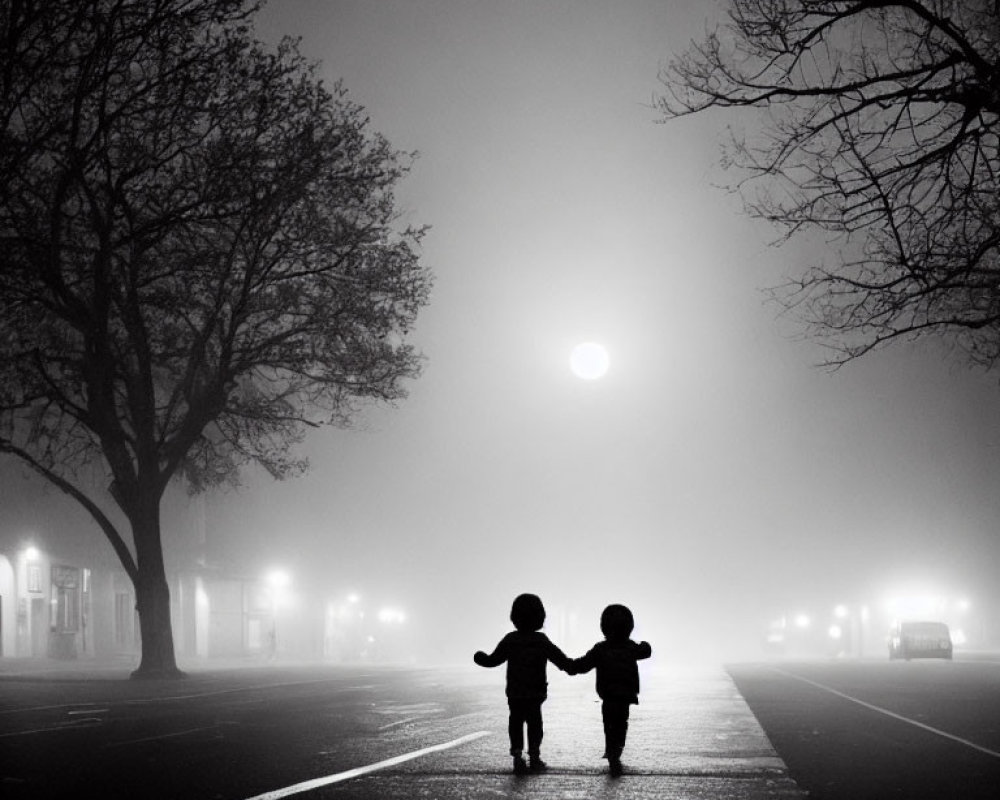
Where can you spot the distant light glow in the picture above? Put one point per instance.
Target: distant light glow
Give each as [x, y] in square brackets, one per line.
[391, 615]
[835, 632]
[802, 621]
[589, 361]
[917, 603]
[31, 553]
[840, 611]
[278, 578]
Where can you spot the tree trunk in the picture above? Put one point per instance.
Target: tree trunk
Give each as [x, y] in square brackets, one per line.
[153, 596]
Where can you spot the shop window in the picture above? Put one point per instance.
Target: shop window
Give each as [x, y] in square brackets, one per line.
[65, 603]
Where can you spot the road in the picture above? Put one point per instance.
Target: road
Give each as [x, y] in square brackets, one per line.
[378, 733]
[873, 729]
[920, 730]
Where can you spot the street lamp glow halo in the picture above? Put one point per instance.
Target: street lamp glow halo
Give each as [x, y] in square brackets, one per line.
[278, 578]
[589, 361]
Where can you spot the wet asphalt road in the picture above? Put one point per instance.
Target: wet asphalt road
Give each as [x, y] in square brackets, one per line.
[846, 730]
[877, 730]
[436, 733]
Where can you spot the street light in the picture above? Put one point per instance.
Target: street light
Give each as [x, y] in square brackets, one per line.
[391, 616]
[277, 580]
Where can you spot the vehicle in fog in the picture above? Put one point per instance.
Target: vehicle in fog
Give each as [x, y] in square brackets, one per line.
[918, 639]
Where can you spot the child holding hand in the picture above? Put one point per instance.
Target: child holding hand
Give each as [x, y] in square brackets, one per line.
[526, 650]
[615, 660]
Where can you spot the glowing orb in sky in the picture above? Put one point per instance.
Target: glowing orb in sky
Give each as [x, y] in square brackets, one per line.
[589, 361]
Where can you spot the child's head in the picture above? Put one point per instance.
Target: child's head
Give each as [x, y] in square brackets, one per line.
[527, 613]
[616, 622]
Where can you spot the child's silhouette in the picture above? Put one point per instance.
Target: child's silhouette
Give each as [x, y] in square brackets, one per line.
[617, 677]
[526, 651]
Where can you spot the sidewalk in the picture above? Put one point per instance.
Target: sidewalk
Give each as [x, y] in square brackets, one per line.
[691, 738]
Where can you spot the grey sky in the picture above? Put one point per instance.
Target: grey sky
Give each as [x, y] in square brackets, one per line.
[713, 476]
[713, 473]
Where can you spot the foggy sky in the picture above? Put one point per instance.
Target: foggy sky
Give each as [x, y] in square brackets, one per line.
[714, 471]
[714, 474]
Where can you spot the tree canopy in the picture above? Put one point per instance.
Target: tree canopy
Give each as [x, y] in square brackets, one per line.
[878, 127]
[201, 255]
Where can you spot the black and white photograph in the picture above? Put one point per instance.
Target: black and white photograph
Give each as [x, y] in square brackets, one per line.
[467, 399]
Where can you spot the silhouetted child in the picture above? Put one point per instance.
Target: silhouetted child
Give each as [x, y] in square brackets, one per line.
[526, 651]
[617, 677]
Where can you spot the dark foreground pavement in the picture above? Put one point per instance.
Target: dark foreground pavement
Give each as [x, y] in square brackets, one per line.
[692, 737]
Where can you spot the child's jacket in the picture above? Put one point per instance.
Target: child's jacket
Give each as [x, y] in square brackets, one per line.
[526, 654]
[617, 671]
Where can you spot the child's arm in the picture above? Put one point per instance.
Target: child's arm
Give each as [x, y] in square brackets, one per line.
[643, 650]
[494, 659]
[560, 659]
[583, 664]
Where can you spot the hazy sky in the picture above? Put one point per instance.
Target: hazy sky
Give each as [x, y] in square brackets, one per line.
[714, 475]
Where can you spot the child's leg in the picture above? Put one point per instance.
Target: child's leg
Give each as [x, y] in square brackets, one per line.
[515, 726]
[615, 717]
[533, 716]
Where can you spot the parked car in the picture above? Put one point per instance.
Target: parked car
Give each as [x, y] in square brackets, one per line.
[919, 639]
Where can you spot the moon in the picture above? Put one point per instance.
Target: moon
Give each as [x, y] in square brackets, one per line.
[589, 361]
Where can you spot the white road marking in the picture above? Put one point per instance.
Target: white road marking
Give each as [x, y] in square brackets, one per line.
[892, 714]
[60, 706]
[173, 735]
[397, 723]
[316, 783]
[72, 725]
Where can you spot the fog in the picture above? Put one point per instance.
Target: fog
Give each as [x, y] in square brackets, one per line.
[713, 479]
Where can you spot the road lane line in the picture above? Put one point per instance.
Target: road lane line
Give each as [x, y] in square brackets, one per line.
[316, 783]
[157, 738]
[397, 723]
[892, 714]
[72, 725]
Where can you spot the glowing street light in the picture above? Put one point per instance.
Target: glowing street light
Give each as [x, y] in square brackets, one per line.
[277, 580]
[589, 361]
[391, 616]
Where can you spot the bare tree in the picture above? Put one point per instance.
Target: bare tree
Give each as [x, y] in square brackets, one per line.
[200, 258]
[879, 128]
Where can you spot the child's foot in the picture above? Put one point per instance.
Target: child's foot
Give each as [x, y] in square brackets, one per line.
[520, 767]
[614, 767]
[537, 765]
